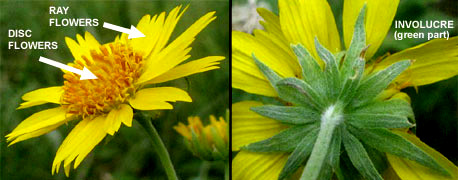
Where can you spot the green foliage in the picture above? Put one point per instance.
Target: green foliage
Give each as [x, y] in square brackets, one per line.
[374, 84]
[387, 114]
[299, 155]
[285, 141]
[269, 73]
[348, 111]
[288, 115]
[386, 141]
[297, 87]
[353, 62]
[311, 70]
[294, 94]
[331, 71]
[359, 156]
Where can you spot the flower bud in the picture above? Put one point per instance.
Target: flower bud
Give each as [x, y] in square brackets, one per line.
[210, 142]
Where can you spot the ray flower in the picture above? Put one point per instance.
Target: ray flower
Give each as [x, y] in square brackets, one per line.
[336, 112]
[128, 71]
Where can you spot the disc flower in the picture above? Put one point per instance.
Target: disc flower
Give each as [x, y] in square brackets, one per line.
[334, 111]
[128, 71]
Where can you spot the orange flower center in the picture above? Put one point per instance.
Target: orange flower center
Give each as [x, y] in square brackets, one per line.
[116, 66]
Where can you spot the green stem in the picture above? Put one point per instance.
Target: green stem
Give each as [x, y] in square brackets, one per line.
[329, 120]
[203, 173]
[158, 146]
[226, 170]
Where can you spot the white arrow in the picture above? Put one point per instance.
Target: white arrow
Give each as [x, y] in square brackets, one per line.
[85, 73]
[132, 32]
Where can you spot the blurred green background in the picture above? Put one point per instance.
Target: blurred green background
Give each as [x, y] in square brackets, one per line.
[127, 155]
[436, 105]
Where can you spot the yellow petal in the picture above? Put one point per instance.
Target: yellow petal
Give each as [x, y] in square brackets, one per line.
[30, 104]
[157, 31]
[42, 96]
[38, 124]
[155, 98]
[271, 24]
[249, 127]
[269, 48]
[35, 133]
[249, 82]
[247, 76]
[192, 67]
[254, 166]
[434, 61]
[79, 142]
[392, 92]
[122, 114]
[303, 20]
[183, 130]
[273, 38]
[272, 52]
[402, 95]
[89, 41]
[83, 47]
[174, 53]
[407, 169]
[378, 19]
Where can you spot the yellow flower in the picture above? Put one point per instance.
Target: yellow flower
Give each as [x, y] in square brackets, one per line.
[300, 21]
[207, 142]
[126, 69]
[194, 124]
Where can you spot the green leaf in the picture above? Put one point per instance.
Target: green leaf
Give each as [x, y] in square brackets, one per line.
[290, 94]
[382, 114]
[386, 141]
[356, 46]
[346, 170]
[351, 83]
[299, 92]
[376, 83]
[334, 152]
[299, 155]
[268, 72]
[340, 57]
[311, 70]
[378, 158]
[331, 62]
[285, 141]
[359, 156]
[288, 114]
[331, 70]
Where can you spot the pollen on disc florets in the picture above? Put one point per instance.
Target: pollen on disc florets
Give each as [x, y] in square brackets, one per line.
[116, 66]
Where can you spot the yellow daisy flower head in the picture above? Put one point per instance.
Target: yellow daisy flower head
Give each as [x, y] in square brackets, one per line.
[127, 72]
[334, 108]
[208, 142]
